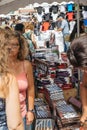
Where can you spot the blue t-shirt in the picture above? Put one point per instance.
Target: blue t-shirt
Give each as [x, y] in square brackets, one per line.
[65, 27]
[85, 22]
[69, 7]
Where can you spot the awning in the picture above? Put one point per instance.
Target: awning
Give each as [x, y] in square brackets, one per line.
[14, 5]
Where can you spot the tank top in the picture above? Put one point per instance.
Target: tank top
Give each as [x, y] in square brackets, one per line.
[23, 85]
[3, 124]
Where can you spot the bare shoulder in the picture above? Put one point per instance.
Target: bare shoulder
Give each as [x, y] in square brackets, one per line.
[27, 62]
[28, 65]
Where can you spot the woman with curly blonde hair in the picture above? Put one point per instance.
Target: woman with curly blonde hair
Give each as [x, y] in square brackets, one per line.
[22, 69]
[10, 115]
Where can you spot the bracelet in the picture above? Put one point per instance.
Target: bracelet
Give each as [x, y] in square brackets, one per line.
[32, 111]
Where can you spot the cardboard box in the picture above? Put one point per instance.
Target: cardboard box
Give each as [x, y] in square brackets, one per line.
[70, 93]
[40, 95]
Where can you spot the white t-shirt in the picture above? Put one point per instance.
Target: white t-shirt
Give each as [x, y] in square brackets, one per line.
[62, 8]
[46, 9]
[54, 16]
[84, 13]
[72, 24]
[39, 17]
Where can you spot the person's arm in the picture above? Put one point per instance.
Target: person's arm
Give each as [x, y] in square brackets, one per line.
[30, 92]
[33, 41]
[59, 29]
[83, 94]
[14, 118]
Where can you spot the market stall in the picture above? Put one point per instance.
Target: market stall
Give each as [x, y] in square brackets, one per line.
[55, 86]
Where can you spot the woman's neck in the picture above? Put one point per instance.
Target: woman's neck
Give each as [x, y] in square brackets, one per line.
[13, 60]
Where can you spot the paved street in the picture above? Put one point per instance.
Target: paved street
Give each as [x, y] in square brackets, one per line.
[4, 9]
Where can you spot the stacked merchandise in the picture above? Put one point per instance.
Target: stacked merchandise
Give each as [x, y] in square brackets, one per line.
[53, 79]
[48, 68]
[59, 72]
[68, 118]
[45, 67]
[63, 73]
[43, 59]
[64, 114]
[53, 92]
[44, 119]
[52, 70]
[40, 85]
[64, 77]
[41, 71]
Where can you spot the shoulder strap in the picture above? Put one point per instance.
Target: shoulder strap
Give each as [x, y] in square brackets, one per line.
[24, 66]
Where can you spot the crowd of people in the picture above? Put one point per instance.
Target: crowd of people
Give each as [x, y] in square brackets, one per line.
[17, 44]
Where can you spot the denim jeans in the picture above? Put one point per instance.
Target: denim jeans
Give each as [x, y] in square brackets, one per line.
[66, 42]
[66, 46]
[3, 128]
[3, 125]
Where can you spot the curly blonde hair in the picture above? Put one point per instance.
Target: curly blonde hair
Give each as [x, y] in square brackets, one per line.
[4, 69]
[23, 50]
[29, 26]
[3, 51]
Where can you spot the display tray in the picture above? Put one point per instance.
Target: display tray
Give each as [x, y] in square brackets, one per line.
[44, 124]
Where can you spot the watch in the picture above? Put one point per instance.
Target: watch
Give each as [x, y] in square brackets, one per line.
[32, 111]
